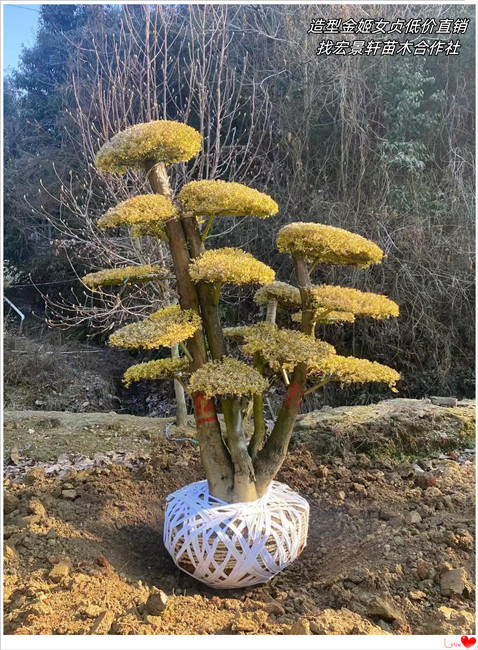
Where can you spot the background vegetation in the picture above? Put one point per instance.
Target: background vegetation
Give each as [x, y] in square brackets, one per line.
[382, 146]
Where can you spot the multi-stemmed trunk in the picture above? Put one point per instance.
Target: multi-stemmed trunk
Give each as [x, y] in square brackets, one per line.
[235, 472]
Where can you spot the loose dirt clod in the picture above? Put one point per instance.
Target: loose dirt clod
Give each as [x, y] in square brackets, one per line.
[157, 601]
[103, 623]
[59, 571]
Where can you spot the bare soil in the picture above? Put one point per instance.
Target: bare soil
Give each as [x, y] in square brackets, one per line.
[390, 547]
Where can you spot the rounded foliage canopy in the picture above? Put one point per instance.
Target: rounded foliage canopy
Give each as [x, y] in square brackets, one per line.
[157, 369]
[351, 370]
[230, 265]
[160, 141]
[285, 294]
[328, 245]
[147, 209]
[227, 376]
[124, 274]
[224, 199]
[283, 348]
[327, 298]
[164, 328]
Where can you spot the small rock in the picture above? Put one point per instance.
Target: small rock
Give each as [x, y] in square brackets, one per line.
[433, 492]
[37, 508]
[405, 470]
[10, 502]
[417, 595]
[341, 495]
[464, 539]
[156, 603]
[19, 602]
[322, 471]
[453, 582]
[386, 513]
[27, 521]
[243, 624]
[359, 488]
[426, 480]
[92, 611]
[363, 460]
[231, 604]
[81, 477]
[59, 571]
[449, 538]
[103, 623]
[51, 534]
[8, 531]
[9, 555]
[273, 607]
[384, 609]
[69, 494]
[412, 518]
[302, 626]
[423, 569]
[385, 626]
[35, 475]
[447, 621]
[444, 567]
[397, 521]
[102, 561]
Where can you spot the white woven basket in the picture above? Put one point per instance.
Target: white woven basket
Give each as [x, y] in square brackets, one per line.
[229, 545]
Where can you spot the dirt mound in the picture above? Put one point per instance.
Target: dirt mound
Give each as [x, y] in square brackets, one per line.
[40, 373]
[45, 435]
[390, 550]
[397, 428]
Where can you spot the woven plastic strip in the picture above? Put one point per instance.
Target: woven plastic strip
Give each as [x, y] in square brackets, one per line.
[230, 545]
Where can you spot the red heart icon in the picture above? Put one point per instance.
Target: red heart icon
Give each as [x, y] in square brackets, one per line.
[468, 641]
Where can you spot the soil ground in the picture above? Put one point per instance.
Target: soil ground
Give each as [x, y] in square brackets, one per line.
[390, 547]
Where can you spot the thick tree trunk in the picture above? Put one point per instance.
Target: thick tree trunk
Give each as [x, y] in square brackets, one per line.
[243, 481]
[244, 488]
[270, 458]
[214, 454]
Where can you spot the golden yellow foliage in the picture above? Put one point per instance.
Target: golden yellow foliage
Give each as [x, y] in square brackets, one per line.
[150, 229]
[328, 245]
[350, 370]
[283, 348]
[151, 209]
[235, 333]
[224, 199]
[124, 274]
[164, 328]
[330, 299]
[361, 303]
[158, 369]
[324, 317]
[161, 141]
[227, 376]
[285, 294]
[231, 265]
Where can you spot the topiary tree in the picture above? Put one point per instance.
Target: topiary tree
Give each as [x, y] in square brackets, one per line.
[238, 470]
